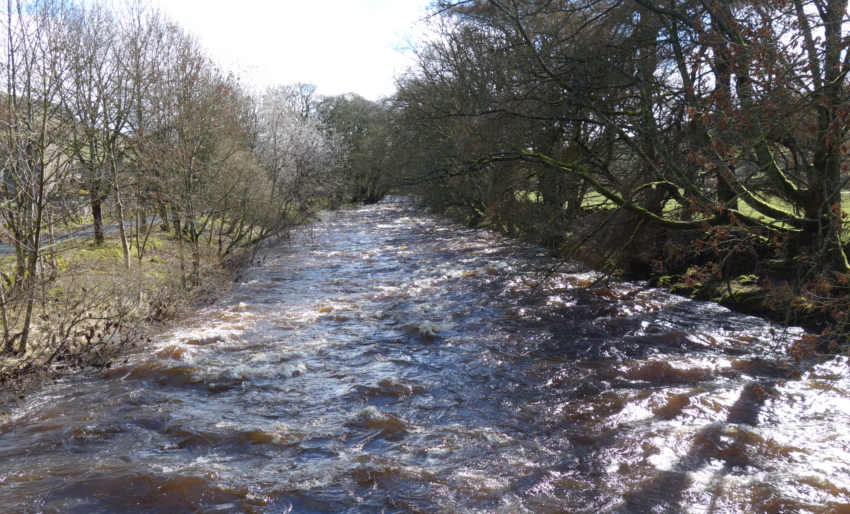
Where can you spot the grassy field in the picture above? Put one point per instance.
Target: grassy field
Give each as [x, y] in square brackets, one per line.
[594, 200]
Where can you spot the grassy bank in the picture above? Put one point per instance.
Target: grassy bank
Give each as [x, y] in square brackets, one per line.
[88, 306]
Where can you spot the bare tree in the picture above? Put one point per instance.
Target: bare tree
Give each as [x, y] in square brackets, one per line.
[36, 129]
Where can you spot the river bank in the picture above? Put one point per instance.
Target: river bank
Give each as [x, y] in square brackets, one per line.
[626, 250]
[93, 308]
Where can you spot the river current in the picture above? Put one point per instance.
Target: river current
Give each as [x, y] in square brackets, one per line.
[392, 362]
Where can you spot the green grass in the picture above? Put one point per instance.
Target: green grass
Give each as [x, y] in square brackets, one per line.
[528, 196]
[594, 200]
[109, 251]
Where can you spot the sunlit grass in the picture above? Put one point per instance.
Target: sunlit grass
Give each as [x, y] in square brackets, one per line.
[594, 200]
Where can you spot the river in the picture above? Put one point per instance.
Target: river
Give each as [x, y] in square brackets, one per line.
[392, 362]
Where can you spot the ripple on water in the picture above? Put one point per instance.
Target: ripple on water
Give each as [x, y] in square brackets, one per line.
[393, 362]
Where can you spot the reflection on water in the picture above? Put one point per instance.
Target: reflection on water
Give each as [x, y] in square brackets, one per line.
[395, 363]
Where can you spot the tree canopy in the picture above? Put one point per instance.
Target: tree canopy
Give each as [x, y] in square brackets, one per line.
[707, 137]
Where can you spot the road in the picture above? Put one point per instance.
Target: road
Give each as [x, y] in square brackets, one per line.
[74, 235]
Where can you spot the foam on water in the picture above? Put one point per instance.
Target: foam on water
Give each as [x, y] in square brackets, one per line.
[390, 361]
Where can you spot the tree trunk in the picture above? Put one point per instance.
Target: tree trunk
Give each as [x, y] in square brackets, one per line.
[52, 240]
[122, 232]
[32, 258]
[30, 283]
[8, 344]
[175, 220]
[196, 249]
[163, 217]
[119, 207]
[177, 229]
[723, 100]
[97, 216]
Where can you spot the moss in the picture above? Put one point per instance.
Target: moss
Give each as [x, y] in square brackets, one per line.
[154, 243]
[101, 254]
[665, 281]
[742, 294]
[745, 300]
[61, 264]
[709, 292]
[682, 289]
[747, 280]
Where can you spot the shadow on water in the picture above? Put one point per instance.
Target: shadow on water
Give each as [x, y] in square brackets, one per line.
[711, 444]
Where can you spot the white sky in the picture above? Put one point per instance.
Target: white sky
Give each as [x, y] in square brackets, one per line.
[341, 46]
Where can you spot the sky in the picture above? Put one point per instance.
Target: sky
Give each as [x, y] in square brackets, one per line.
[341, 46]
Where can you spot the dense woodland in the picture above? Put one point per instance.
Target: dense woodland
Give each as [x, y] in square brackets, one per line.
[700, 143]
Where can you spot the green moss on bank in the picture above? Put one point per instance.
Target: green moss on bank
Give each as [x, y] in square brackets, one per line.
[743, 294]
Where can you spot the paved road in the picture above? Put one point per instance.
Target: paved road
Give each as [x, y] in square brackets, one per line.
[74, 235]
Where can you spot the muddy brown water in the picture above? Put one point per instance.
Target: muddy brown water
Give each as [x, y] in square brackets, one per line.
[391, 362]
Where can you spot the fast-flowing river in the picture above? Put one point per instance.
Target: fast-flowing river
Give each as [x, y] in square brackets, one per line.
[390, 362]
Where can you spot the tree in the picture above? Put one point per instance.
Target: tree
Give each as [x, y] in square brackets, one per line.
[100, 99]
[121, 101]
[362, 128]
[295, 153]
[36, 129]
[722, 125]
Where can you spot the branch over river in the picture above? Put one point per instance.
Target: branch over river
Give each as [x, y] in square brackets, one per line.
[394, 363]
